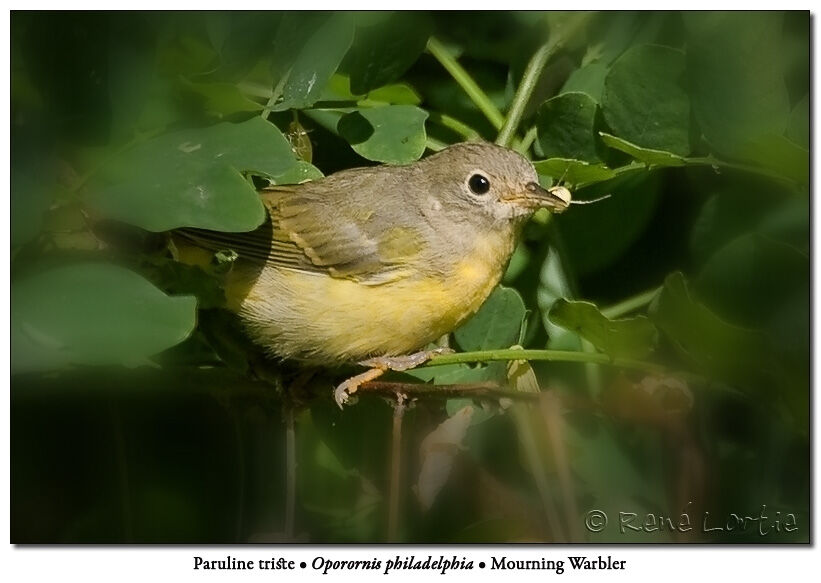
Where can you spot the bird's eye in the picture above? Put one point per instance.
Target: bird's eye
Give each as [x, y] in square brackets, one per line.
[478, 184]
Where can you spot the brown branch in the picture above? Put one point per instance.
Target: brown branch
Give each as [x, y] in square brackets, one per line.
[460, 391]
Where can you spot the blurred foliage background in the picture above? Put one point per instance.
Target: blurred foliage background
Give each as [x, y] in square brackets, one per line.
[139, 416]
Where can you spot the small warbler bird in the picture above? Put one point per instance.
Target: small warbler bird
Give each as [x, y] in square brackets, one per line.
[370, 265]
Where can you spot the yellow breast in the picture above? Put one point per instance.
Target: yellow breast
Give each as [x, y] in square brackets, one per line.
[319, 318]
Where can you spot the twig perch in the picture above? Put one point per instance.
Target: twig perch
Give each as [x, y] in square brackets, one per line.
[424, 390]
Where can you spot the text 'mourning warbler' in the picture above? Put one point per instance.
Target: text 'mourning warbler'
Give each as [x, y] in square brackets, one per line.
[370, 265]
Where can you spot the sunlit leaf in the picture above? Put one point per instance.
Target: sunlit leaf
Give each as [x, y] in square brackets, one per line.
[573, 171]
[307, 51]
[396, 94]
[193, 178]
[394, 134]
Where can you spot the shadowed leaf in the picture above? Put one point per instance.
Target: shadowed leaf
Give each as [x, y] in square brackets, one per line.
[93, 313]
[622, 337]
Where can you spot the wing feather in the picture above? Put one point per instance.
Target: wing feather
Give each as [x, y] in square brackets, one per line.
[309, 231]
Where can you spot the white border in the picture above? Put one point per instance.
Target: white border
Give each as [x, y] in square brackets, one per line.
[139, 564]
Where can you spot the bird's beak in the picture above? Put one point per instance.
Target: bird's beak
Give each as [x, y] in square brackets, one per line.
[534, 197]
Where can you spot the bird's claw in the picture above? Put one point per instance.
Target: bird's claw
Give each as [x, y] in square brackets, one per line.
[378, 366]
[406, 362]
[347, 388]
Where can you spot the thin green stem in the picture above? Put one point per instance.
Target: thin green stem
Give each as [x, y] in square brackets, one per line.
[531, 77]
[466, 82]
[525, 90]
[275, 94]
[524, 144]
[542, 355]
[454, 124]
[630, 304]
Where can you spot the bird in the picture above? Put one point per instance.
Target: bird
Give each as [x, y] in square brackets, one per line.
[370, 265]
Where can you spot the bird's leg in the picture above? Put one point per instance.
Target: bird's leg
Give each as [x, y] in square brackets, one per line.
[378, 366]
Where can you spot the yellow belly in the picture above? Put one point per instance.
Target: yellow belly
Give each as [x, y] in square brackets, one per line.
[315, 317]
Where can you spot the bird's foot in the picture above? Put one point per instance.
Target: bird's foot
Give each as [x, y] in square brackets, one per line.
[405, 362]
[378, 366]
[349, 387]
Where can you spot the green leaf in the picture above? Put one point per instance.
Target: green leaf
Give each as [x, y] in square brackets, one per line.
[307, 51]
[799, 126]
[647, 155]
[32, 191]
[300, 172]
[394, 134]
[222, 98]
[192, 178]
[723, 217]
[588, 79]
[781, 155]
[566, 127]
[383, 51]
[731, 352]
[750, 276]
[596, 235]
[396, 94]
[553, 286]
[496, 324]
[644, 102]
[574, 172]
[622, 337]
[735, 73]
[241, 39]
[93, 313]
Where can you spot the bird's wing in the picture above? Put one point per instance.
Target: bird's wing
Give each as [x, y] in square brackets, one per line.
[308, 230]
